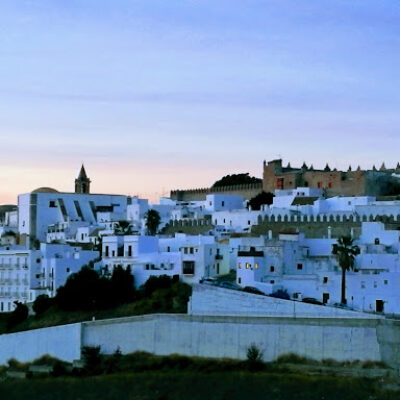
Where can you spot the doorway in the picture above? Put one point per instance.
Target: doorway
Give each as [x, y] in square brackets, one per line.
[379, 306]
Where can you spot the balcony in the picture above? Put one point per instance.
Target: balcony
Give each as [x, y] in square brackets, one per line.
[250, 253]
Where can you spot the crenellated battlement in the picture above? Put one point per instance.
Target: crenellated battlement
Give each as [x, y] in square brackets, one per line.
[246, 190]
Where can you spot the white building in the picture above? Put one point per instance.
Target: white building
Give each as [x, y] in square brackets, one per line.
[223, 202]
[189, 257]
[66, 211]
[307, 268]
[25, 274]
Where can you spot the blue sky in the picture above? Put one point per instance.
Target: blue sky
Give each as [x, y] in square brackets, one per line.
[156, 95]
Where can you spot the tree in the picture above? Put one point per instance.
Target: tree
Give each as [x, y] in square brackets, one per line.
[42, 303]
[19, 314]
[345, 251]
[157, 282]
[153, 220]
[122, 285]
[236, 179]
[261, 198]
[84, 290]
[123, 228]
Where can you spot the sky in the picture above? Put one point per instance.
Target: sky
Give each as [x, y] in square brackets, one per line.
[154, 95]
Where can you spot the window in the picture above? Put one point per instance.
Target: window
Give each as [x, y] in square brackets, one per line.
[272, 268]
[168, 249]
[299, 267]
[52, 204]
[375, 284]
[319, 185]
[330, 185]
[239, 281]
[222, 203]
[113, 253]
[385, 282]
[191, 250]
[239, 265]
[147, 266]
[217, 268]
[247, 265]
[67, 270]
[256, 265]
[248, 223]
[362, 285]
[188, 267]
[185, 250]
[272, 282]
[325, 279]
[107, 251]
[279, 183]
[377, 241]
[129, 251]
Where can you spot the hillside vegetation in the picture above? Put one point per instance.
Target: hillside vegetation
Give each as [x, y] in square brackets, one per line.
[159, 295]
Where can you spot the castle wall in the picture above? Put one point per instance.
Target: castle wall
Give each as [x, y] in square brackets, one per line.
[247, 191]
[349, 183]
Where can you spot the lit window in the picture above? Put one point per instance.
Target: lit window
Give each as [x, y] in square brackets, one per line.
[256, 265]
[247, 265]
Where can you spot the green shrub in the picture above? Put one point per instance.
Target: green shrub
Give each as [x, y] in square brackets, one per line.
[292, 358]
[15, 365]
[373, 364]
[19, 315]
[254, 358]
[112, 363]
[42, 303]
[92, 360]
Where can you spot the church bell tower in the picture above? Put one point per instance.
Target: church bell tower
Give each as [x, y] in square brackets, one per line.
[82, 183]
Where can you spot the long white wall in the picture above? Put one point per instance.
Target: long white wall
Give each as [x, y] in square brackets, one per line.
[212, 300]
[214, 336]
[219, 336]
[63, 342]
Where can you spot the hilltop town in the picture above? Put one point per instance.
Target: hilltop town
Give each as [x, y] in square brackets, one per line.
[319, 245]
[282, 244]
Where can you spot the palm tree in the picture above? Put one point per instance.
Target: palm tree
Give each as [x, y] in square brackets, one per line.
[345, 251]
[153, 220]
[123, 228]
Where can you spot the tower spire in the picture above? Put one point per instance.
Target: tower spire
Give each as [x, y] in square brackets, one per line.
[82, 183]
